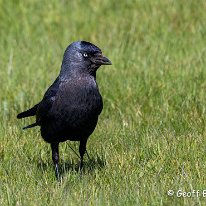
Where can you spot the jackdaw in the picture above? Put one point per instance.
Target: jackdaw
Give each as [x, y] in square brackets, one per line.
[70, 107]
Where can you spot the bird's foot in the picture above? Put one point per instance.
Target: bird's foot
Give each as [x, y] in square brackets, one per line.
[57, 173]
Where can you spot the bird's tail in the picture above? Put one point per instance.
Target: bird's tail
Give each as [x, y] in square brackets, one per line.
[31, 125]
[29, 112]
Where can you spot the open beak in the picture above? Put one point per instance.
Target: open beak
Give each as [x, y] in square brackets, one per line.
[102, 60]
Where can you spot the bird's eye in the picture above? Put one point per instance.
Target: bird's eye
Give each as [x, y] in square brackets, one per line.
[85, 55]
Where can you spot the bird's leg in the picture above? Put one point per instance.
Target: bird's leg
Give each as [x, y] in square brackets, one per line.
[55, 158]
[88, 156]
[82, 150]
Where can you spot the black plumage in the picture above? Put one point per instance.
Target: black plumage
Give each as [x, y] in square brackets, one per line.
[70, 107]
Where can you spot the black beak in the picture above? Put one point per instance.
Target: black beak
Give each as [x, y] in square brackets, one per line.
[102, 60]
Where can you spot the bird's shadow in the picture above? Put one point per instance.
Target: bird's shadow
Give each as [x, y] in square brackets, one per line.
[90, 164]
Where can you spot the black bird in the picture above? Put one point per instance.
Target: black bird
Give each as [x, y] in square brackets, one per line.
[70, 107]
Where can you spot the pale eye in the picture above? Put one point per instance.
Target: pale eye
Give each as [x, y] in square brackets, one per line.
[85, 55]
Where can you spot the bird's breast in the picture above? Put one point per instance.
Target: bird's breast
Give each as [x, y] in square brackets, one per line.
[82, 101]
[74, 112]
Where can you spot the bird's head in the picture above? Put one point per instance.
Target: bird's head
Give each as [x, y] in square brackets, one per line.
[83, 56]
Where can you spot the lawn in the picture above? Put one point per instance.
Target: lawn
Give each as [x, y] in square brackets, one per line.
[150, 137]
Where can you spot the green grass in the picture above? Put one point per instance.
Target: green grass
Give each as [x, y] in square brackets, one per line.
[151, 134]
